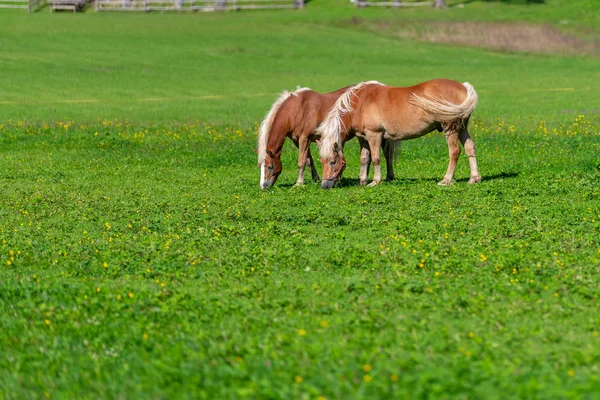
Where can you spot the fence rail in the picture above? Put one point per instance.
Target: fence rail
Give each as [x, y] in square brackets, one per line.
[194, 5]
[69, 5]
[13, 4]
[29, 5]
[398, 3]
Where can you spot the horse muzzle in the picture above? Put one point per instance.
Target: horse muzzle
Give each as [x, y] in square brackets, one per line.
[327, 183]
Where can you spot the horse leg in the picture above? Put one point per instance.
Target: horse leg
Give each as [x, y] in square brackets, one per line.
[313, 168]
[302, 155]
[454, 152]
[469, 146]
[374, 139]
[365, 161]
[388, 153]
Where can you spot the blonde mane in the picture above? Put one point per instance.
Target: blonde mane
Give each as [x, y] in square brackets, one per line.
[332, 126]
[264, 130]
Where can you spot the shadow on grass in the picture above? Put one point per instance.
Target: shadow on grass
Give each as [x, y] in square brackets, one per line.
[306, 183]
[352, 182]
[502, 175]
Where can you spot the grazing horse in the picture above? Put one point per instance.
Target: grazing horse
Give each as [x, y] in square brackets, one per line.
[374, 112]
[297, 115]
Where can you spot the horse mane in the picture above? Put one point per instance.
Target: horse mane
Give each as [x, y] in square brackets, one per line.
[330, 130]
[443, 111]
[264, 131]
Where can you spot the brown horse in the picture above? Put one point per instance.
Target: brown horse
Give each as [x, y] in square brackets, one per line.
[375, 112]
[297, 115]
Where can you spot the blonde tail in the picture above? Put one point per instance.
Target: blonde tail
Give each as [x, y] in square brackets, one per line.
[392, 150]
[443, 111]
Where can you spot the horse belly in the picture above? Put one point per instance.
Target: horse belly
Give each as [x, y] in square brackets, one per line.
[407, 131]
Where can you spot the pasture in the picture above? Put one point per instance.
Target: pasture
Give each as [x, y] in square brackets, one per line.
[139, 258]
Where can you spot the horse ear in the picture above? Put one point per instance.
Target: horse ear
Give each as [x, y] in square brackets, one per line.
[255, 150]
[318, 142]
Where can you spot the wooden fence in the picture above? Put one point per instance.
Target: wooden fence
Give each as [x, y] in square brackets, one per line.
[194, 5]
[13, 4]
[399, 3]
[29, 5]
[67, 5]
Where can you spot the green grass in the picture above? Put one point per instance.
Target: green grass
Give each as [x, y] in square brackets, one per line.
[111, 236]
[138, 258]
[165, 67]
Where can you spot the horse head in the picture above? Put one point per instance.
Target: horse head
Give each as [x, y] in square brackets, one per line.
[270, 169]
[332, 168]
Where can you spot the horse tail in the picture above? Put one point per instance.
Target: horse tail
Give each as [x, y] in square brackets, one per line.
[443, 111]
[391, 148]
[332, 127]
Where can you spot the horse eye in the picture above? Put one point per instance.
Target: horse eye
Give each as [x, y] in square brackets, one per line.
[270, 167]
[332, 162]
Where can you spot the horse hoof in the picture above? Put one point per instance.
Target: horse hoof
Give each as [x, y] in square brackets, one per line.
[363, 183]
[299, 184]
[374, 183]
[446, 182]
[474, 180]
[390, 178]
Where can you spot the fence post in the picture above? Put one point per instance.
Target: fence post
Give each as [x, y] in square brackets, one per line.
[440, 4]
[300, 3]
[397, 3]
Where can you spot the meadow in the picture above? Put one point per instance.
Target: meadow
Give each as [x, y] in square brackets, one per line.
[139, 258]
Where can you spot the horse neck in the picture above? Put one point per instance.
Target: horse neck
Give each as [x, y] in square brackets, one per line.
[347, 134]
[277, 136]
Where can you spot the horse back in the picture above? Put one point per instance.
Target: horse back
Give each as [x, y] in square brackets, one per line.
[388, 109]
[306, 111]
[447, 89]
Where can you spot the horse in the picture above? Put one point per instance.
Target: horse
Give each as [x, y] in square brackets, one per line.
[296, 115]
[374, 112]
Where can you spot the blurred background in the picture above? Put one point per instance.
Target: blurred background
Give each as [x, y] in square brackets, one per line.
[203, 60]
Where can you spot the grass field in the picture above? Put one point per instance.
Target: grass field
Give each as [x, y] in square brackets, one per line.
[139, 259]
